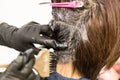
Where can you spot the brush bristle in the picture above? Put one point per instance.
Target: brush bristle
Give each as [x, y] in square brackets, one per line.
[53, 62]
[46, 63]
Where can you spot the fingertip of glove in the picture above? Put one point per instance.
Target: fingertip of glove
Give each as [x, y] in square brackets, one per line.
[28, 54]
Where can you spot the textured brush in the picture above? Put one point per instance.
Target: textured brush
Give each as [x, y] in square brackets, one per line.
[46, 63]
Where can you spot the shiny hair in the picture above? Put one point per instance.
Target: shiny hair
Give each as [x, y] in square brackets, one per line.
[92, 33]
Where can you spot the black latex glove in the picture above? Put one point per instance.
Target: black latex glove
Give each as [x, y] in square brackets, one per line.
[23, 38]
[21, 67]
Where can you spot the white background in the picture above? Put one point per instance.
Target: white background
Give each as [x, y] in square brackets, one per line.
[18, 13]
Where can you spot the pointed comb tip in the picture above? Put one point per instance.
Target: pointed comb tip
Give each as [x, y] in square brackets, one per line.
[44, 3]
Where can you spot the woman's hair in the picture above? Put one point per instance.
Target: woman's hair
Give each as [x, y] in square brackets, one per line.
[92, 33]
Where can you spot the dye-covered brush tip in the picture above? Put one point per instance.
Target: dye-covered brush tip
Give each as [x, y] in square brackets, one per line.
[46, 63]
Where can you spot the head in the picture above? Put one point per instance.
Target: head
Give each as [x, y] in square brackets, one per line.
[92, 33]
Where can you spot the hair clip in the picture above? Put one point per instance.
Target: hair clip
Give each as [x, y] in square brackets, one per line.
[72, 4]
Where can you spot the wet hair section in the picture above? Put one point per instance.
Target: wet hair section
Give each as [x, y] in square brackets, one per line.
[69, 26]
[72, 35]
[62, 33]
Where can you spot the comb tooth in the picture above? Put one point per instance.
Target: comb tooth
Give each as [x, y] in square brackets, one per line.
[51, 54]
[50, 63]
[51, 66]
[53, 57]
[52, 71]
[53, 60]
[53, 63]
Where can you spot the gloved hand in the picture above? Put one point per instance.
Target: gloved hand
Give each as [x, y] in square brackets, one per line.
[23, 38]
[21, 67]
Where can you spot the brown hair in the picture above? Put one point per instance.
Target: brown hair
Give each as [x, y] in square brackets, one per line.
[92, 33]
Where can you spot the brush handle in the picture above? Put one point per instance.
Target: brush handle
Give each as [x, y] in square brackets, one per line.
[42, 64]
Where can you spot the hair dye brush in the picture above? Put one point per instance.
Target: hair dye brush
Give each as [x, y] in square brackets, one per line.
[46, 62]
